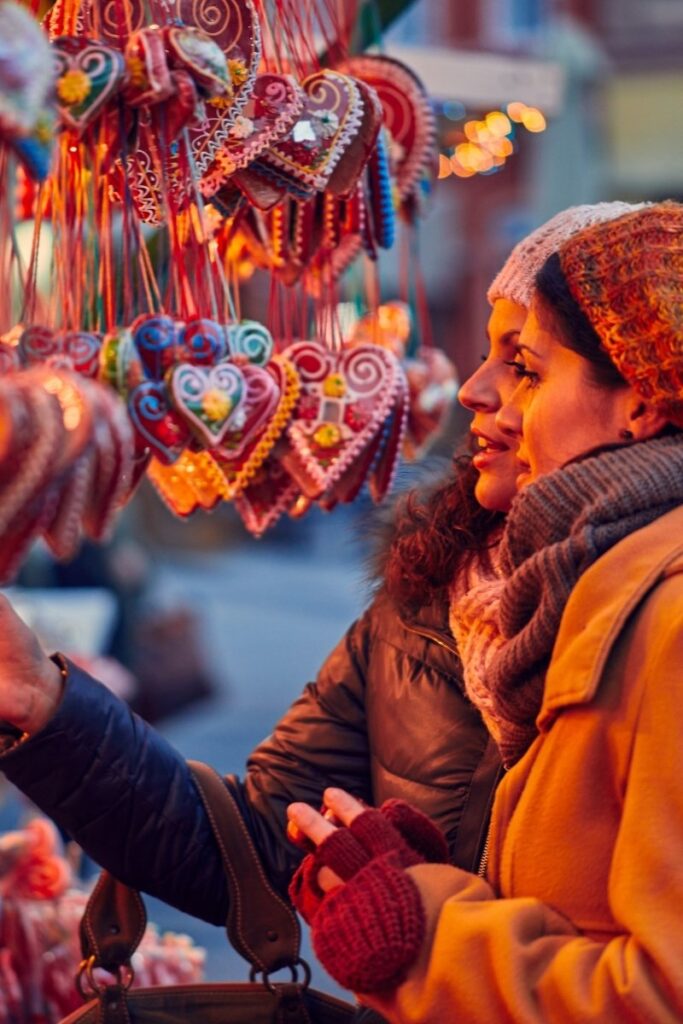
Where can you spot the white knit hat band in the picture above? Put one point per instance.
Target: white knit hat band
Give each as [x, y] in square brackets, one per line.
[517, 277]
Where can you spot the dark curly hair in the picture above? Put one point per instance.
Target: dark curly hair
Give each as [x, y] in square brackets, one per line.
[437, 530]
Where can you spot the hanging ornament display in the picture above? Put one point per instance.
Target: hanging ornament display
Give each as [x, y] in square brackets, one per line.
[190, 139]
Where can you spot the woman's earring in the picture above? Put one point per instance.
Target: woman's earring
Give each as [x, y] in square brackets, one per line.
[626, 435]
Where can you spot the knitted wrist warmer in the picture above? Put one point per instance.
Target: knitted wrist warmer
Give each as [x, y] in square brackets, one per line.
[396, 827]
[368, 933]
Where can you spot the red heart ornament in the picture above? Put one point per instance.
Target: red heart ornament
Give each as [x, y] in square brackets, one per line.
[156, 423]
[234, 27]
[149, 76]
[71, 350]
[242, 455]
[346, 174]
[272, 493]
[89, 74]
[408, 116]
[267, 116]
[202, 342]
[325, 128]
[345, 399]
[155, 338]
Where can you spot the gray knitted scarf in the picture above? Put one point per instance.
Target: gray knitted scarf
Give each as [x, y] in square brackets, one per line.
[556, 529]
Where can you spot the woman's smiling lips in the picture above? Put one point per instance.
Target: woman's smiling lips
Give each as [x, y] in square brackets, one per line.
[488, 450]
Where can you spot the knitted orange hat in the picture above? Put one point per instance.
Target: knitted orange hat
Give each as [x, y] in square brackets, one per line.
[627, 276]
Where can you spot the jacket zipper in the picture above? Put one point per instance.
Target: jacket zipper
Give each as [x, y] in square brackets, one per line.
[484, 861]
[432, 634]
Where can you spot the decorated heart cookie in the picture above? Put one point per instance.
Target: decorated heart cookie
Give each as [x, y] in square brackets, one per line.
[345, 400]
[408, 116]
[272, 395]
[267, 116]
[157, 424]
[346, 174]
[89, 74]
[234, 27]
[209, 399]
[271, 493]
[193, 50]
[155, 337]
[75, 350]
[202, 341]
[120, 363]
[250, 340]
[331, 117]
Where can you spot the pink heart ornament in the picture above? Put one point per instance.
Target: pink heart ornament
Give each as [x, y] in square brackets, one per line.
[345, 399]
[209, 399]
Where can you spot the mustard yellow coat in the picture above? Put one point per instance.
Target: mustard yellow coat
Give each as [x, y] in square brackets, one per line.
[581, 919]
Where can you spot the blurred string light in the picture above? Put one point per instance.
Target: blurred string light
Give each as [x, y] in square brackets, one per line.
[483, 146]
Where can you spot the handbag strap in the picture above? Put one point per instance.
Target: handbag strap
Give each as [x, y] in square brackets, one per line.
[261, 925]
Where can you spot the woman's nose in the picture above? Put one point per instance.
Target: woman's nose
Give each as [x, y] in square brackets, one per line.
[479, 392]
[509, 415]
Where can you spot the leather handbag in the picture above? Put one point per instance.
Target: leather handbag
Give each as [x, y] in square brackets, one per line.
[261, 926]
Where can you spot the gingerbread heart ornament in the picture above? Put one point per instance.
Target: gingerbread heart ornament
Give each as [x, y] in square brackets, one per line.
[271, 493]
[234, 27]
[271, 396]
[345, 400]
[268, 115]
[89, 73]
[73, 350]
[408, 116]
[325, 128]
[156, 423]
[209, 399]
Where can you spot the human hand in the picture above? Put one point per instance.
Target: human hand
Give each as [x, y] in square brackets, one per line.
[340, 808]
[366, 917]
[30, 683]
[339, 853]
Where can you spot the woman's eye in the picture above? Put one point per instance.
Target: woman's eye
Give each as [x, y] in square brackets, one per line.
[522, 372]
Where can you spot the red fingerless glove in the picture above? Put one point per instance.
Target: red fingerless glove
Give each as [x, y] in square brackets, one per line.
[396, 827]
[369, 932]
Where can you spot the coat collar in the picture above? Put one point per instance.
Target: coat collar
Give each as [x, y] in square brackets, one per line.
[599, 606]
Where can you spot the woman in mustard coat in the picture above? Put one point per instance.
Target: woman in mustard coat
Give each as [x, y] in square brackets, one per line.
[576, 659]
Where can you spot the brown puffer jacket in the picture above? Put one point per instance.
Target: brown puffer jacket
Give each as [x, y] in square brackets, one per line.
[386, 717]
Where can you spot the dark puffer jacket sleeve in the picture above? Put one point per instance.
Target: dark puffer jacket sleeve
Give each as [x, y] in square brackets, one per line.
[126, 796]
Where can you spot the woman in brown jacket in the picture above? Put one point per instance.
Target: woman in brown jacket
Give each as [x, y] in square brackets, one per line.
[576, 660]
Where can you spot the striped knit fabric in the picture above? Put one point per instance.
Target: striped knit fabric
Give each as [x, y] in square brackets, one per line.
[556, 529]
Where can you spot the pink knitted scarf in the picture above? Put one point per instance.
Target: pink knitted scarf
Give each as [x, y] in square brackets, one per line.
[505, 628]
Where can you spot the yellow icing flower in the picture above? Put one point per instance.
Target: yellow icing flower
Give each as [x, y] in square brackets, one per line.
[220, 101]
[334, 386]
[215, 405]
[73, 87]
[327, 435]
[238, 71]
